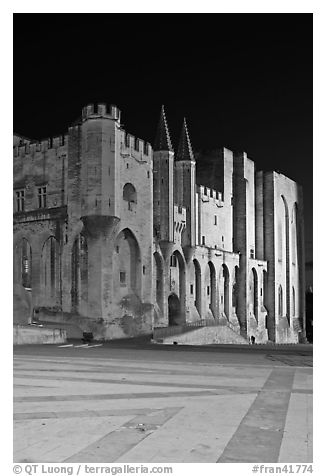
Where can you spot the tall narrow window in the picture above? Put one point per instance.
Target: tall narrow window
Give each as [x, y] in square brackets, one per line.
[42, 197]
[20, 200]
[280, 301]
[173, 261]
[293, 301]
[122, 278]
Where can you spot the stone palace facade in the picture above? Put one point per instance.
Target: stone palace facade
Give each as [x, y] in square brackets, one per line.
[118, 237]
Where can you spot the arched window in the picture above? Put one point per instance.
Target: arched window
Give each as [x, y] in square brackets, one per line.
[129, 195]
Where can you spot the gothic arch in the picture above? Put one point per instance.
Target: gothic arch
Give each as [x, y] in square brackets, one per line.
[50, 272]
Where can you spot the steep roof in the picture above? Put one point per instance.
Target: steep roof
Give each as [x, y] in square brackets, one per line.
[184, 150]
[162, 140]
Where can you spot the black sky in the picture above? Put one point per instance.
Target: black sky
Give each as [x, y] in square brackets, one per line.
[243, 81]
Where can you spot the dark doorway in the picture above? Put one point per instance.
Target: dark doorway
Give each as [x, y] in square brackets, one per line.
[174, 310]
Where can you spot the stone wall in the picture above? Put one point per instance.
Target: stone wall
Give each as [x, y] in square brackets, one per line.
[37, 335]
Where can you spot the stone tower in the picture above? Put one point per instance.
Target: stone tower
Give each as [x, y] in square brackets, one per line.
[93, 199]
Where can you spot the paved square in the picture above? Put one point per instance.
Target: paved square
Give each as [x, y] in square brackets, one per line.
[109, 405]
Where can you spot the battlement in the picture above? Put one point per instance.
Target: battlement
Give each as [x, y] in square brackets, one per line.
[206, 194]
[132, 145]
[92, 111]
[180, 213]
[179, 220]
[28, 147]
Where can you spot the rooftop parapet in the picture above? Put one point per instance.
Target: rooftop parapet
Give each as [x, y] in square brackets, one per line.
[101, 110]
[180, 213]
[40, 146]
[207, 194]
[132, 145]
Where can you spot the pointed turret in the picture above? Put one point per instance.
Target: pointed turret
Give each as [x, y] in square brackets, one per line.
[185, 185]
[162, 140]
[185, 150]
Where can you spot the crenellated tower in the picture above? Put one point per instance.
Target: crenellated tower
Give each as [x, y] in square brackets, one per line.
[94, 174]
[185, 184]
[163, 167]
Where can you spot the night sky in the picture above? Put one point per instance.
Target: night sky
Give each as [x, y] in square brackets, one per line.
[243, 81]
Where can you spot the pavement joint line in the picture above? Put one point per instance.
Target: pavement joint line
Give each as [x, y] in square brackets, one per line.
[45, 415]
[24, 357]
[123, 371]
[125, 396]
[140, 383]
